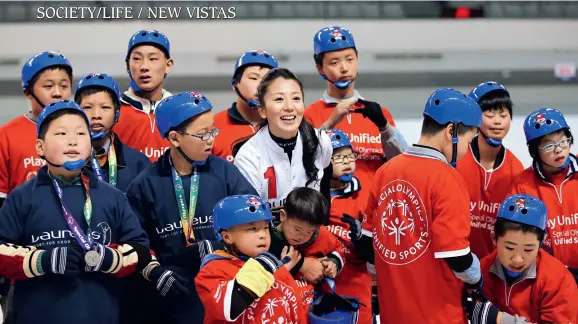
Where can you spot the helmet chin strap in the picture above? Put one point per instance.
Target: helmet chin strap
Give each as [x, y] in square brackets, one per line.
[100, 135]
[191, 161]
[69, 165]
[513, 274]
[454, 162]
[346, 177]
[36, 98]
[252, 103]
[341, 85]
[491, 141]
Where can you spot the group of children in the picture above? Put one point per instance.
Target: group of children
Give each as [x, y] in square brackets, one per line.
[271, 212]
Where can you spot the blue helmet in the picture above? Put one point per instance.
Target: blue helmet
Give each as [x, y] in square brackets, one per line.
[255, 57]
[99, 80]
[524, 209]
[484, 88]
[543, 122]
[333, 38]
[237, 210]
[174, 110]
[338, 139]
[57, 106]
[448, 105]
[149, 37]
[41, 62]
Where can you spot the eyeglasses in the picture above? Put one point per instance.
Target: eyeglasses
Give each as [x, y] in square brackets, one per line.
[206, 136]
[339, 158]
[563, 143]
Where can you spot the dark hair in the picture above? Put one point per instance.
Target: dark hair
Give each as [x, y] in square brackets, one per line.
[182, 127]
[503, 225]
[308, 137]
[496, 100]
[533, 144]
[46, 123]
[430, 127]
[64, 68]
[307, 205]
[319, 57]
[79, 95]
[239, 73]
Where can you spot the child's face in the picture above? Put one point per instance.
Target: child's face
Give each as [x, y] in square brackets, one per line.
[463, 143]
[517, 250]
[343, 161]
[296, 231]
[496, 123]
[250, 239]
[148, 65]
[67, 139]
[252, 76]
[195, 148]
[52, 85]
[560, 152]
[99, 108]
[339, 65]
[283, 107]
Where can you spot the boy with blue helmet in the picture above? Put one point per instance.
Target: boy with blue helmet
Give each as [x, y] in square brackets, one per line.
[112, 161]
[253, 285]
[553, 177]
[370, 127]
[489, 167]
[242, 119]
[148, 62]
[70, 232]
[174, 199]
[46, 77]
[539, 288]
[418, 214]
[344, 215]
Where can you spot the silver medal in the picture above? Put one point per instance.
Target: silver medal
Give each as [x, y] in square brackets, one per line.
[92, 258]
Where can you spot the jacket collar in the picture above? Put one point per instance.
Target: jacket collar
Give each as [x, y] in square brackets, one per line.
[165, 169]
[273, 146]
[43, 178]
[235, 115]
[529, 273]
[572, 168]
[352, 186]
[330, 100]
[129, 97]
[118, 150]
[476, 151]
[426, 152]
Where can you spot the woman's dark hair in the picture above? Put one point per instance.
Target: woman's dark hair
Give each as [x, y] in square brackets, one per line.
[307, 205]
[533, 144]
[308, 137]
[496, 101]
[502, 226]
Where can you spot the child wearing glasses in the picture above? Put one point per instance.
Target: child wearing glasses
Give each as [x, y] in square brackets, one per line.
[174, 199]
[553, 178]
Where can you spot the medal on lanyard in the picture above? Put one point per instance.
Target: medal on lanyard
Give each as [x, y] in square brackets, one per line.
[92, 258]
[112, 167]
[187, 218]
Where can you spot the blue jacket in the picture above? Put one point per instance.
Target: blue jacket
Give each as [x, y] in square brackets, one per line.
[130, 163]
[32, 216]
[153, 198]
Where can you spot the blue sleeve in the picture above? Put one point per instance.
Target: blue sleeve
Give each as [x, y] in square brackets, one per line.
[11, 221]
[140, 209]
[237, 184]
[130, 229]
[144, 162]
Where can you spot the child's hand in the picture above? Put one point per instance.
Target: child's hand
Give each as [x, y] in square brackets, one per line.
[330, 269]
[289, 251]
[342, 109]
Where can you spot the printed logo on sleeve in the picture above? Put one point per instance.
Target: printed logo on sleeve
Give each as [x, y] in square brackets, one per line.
[402, 233]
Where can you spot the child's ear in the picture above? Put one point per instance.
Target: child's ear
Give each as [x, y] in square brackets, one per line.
[40, 147]
[226, 238]
[173, 138]
[283, 215]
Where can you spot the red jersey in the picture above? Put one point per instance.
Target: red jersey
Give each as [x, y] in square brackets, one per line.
[234, 128]
[560, 195]
[362, 133]
[418, 211]
[19, 161]
[487, 189]
[546, 294]
[353, 280]
[214, 283]
[136, 127]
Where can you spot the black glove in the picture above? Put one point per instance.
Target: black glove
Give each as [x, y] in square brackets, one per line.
[270, 262]
[106, 258]
[195, 253]
[4, 286]
[374, 301]
[372, 110]
[482, 312]
[168, 283]
[66, 260]
[354, 227]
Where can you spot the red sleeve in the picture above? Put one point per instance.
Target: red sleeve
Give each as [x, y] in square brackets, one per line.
[451, 216]
[370, 207]
[560, 299]
[388, 116]
[310, 115]
[4, 164]
[215, 288]
[485, 264]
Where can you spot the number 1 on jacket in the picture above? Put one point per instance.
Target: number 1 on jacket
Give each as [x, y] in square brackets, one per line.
[272, 182]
